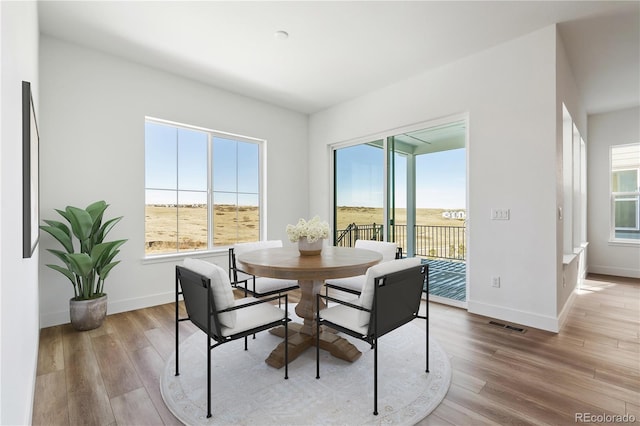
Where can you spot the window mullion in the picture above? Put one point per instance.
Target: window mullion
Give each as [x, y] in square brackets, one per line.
[177, 192]
[210, 223]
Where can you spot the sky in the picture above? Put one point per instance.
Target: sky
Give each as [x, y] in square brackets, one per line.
[184, 166]
[440, 178]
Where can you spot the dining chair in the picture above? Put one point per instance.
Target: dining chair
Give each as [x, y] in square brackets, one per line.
[252, 285]
[210, 305]
[353, 285]
[389, 299]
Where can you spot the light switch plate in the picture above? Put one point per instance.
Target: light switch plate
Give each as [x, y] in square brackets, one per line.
[500, 214]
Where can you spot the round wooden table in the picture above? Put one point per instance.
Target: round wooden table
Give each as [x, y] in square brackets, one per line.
[310, 271]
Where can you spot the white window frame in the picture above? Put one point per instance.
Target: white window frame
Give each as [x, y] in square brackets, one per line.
[628, 196]
[211, 133]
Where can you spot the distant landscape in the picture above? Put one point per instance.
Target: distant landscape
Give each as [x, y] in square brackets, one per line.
[231, 225]
[162, 226]
[370, 215]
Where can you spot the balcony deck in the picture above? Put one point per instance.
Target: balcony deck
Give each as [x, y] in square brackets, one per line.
[447, 278]
[442, 247]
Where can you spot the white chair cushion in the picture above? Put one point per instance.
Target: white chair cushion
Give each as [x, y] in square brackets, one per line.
[252, 316]
[366, 297]
[386, 249]
[241, 248]
[265, 284]
[345, 316]
[220, 287]
[353, 283]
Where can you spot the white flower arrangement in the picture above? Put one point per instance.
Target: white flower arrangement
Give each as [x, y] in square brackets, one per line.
[313, 229]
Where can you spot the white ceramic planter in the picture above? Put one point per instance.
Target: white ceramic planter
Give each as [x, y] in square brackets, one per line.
[309, 249]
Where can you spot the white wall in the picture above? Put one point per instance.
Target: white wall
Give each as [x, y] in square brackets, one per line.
[605, 130]
[509, 93]
[567, 93]
[92, 126]
[19, 322]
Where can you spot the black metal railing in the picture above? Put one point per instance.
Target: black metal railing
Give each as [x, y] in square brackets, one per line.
[437, 242]
[347, 237]
[444, 242]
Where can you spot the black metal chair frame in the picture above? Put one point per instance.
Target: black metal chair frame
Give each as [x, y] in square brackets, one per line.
[392, 307]
[233, 277]
[327, 286]
[199, 301]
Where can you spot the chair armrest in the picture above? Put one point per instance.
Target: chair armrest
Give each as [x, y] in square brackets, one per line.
[243, 271]
[246, 281]
[346, 290]
[342, 302]
[256, 302]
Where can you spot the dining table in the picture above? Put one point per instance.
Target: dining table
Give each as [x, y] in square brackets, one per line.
[310, 272]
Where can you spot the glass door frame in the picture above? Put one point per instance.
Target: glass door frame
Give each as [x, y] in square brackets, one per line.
[389, 184]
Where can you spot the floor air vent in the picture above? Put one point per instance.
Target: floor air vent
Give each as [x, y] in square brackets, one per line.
[508, 327]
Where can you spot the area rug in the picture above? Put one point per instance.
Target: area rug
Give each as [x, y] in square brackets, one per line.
[246, 391]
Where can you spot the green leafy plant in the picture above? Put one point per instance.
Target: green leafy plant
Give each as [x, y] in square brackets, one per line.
[88, 267]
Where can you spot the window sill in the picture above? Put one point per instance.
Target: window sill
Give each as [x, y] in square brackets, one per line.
[568, 258]
[624, 243]
[173, 257]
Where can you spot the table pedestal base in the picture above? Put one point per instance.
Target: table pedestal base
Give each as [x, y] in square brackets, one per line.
[299, 342]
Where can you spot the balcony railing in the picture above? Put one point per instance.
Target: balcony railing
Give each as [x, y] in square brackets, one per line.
[347, 237]
[436, 242]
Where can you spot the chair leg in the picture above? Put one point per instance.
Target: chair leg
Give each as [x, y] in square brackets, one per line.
[208, 377]
[286, 341]
[375, 377]
[427, 318]
[177, 342]
[177, 329]
[245, 341]
[317, 338]
[427, 340]
[427, 332]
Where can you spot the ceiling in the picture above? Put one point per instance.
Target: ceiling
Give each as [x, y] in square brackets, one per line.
[433, 139]
[337, 50]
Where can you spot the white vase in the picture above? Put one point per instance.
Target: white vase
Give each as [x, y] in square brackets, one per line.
[309, 249]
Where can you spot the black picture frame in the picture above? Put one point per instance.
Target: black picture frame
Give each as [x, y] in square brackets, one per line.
[30, 174]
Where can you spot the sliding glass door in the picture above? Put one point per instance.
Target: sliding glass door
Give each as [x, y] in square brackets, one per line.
[409, 187]
[359, 193]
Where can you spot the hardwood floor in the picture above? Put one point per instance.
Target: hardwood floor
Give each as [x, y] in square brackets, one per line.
[109, 376]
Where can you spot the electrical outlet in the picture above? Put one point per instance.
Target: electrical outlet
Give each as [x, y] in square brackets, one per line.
[495, 282]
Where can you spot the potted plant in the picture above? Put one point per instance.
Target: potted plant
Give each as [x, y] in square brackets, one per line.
[88, 267]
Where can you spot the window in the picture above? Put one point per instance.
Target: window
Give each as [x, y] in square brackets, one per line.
[625, 192]
[202, 188]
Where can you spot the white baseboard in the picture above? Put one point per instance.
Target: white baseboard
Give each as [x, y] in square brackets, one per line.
[564, 314]
[616, 272]
[511, 315]
[49, 319]
[447, 301]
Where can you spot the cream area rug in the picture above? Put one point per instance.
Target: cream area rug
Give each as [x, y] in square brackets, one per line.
[246, 391]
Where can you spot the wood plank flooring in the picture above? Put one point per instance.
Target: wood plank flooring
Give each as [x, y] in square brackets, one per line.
[109, 376]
